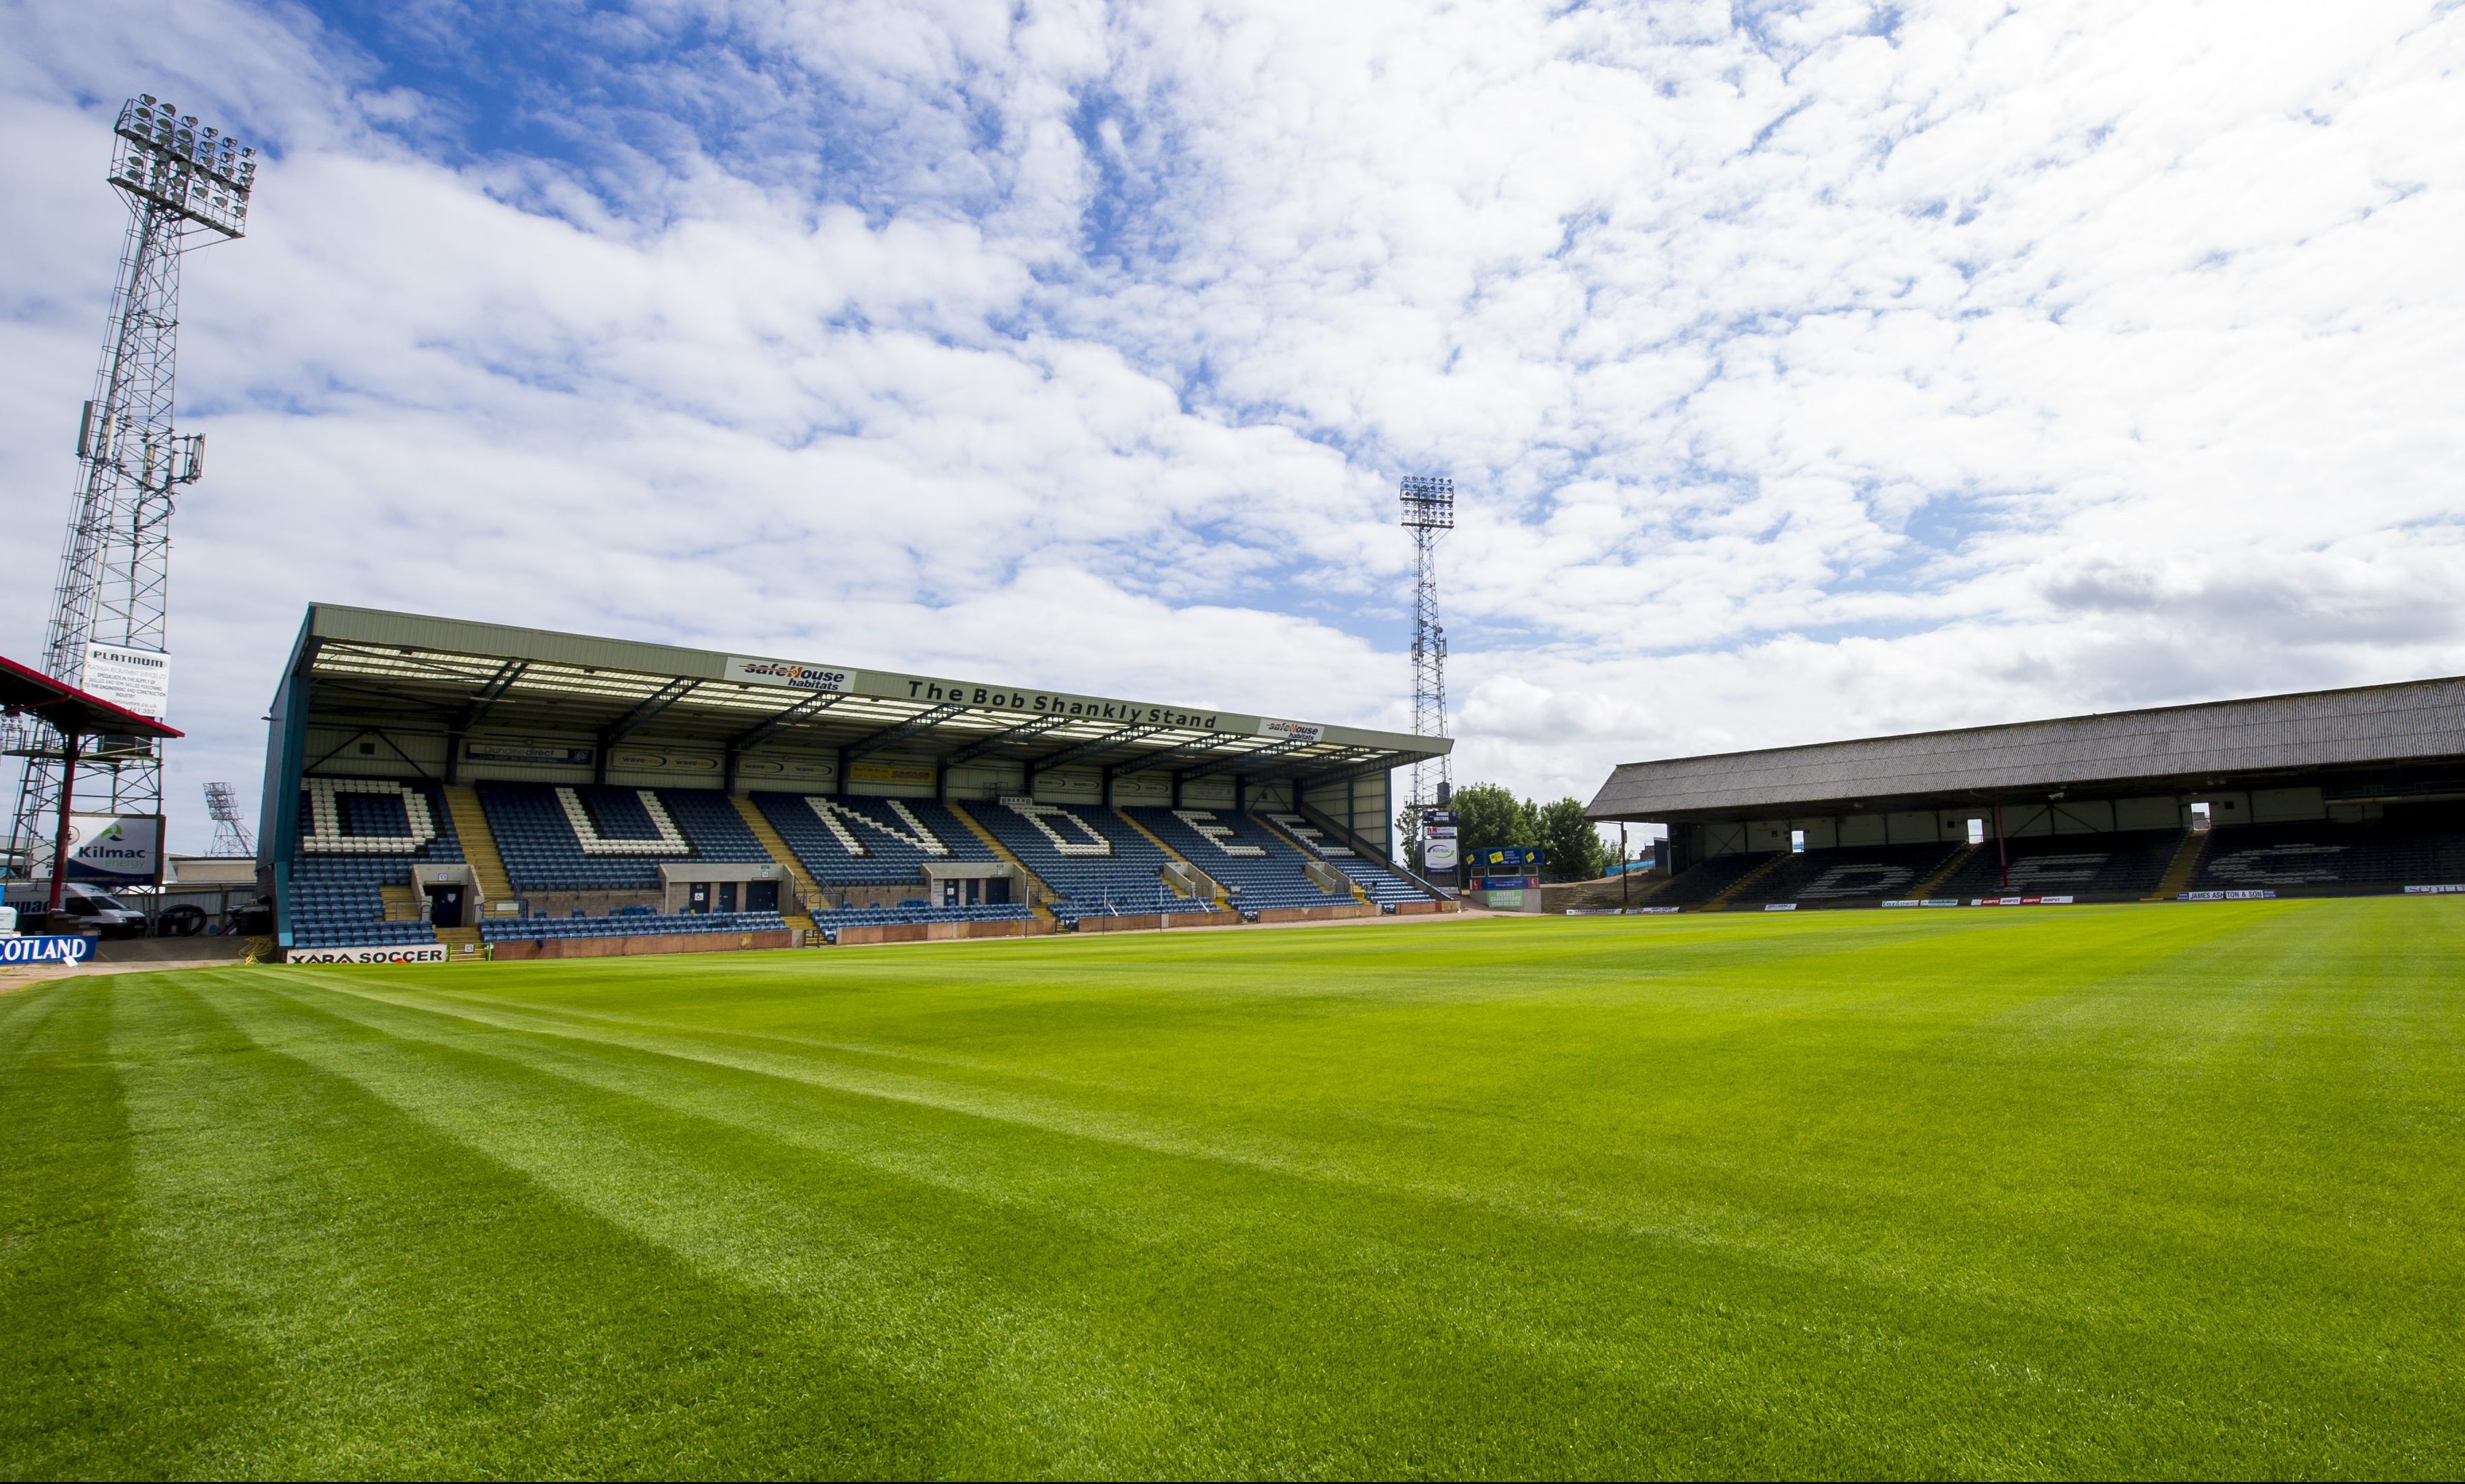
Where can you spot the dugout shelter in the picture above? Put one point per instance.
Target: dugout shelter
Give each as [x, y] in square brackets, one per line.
[437, 784]
[2322, 792]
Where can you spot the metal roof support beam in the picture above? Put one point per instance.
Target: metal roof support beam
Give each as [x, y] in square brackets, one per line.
[804, 710]
[1089, 748]
[899, 732]
[1000, 740]
[630, 721]
[1242, 760]
[1173, 754]
[470, 715]
[1360, 767]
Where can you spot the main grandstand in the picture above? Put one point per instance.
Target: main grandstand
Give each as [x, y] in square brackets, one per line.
[436, 786]
[2321, 793]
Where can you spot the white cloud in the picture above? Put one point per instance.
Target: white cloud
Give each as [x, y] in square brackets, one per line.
[1806, 370]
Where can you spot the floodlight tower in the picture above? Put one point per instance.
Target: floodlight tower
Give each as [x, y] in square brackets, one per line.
[1428, 511]
[231, 831]
[187, 185]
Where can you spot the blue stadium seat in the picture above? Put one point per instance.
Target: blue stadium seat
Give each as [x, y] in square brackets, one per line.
[1257, 868]
[629, 925]
[581, 839]
[855, 841]
[357, 837]
[1096, 862]
[1384, 886]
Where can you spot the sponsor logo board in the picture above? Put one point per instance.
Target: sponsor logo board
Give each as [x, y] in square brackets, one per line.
[788, 673]
[124, 850]
[2021, 901]
[2434, 891]
[529, 756]
[1302, 732]
[412, 953]
[1438, 849]
[919, 774]
[1927, 902]
[1780, 906]
[138, 680]
[2242, 896]
[46, 949]
[1506, 883]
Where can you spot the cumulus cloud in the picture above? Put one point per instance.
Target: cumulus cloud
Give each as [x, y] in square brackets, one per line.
[1806, 369]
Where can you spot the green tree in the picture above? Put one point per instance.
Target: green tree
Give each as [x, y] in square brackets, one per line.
[1572, 846]
[1489, 816]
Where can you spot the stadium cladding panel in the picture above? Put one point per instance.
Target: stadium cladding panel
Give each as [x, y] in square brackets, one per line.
[437, 787]
[2341, 792]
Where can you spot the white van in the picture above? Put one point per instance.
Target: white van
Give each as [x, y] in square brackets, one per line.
[83, 909]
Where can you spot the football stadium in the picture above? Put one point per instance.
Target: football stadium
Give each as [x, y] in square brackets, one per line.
[607, 1056]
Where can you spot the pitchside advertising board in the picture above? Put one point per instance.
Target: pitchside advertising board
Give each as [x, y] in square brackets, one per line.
[412, 953]
[40, 949]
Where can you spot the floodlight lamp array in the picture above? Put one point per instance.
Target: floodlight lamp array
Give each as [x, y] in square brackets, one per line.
[1429, 503]
[167, 158]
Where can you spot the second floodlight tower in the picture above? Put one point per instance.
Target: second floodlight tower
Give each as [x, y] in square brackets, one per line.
[1429, 512]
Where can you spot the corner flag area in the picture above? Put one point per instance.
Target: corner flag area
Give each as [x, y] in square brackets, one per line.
[2105, 1191]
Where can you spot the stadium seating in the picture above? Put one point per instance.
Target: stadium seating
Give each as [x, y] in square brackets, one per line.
[2426, 850]
[865, 841]
[589, 838]
[357, 837]
[1258, 869]
[1705, 879]
[1385, 887]
[629, 925]
[2091, 866]
[1847, 876]
[1095, 861]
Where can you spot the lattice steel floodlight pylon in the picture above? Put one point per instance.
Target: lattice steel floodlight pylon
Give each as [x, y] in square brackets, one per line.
[1429, 512]
[231, 831]
[187, 185]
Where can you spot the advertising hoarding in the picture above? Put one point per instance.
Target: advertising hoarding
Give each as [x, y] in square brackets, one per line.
[109, 850]
[1438, 841]
[138, 680]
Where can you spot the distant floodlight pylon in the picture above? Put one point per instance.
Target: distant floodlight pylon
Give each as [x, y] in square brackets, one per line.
[230, 830]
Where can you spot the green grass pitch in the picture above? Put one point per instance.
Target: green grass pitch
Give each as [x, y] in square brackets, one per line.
[2150, 1190]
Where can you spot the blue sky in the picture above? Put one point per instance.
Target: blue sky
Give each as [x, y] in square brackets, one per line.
[1806, 369]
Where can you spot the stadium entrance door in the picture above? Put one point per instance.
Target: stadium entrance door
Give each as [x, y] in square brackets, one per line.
[445, 905]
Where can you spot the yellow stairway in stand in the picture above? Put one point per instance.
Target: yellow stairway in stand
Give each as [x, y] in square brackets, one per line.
[401, 903]
[1945, 872]
[808, 890]
[479, 846]
[1745, 883]
[1038, 893]
[2185, 865]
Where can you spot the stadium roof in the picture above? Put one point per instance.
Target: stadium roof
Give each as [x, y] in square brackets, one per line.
[72, 712]
[2353, 732]
[406, 668]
